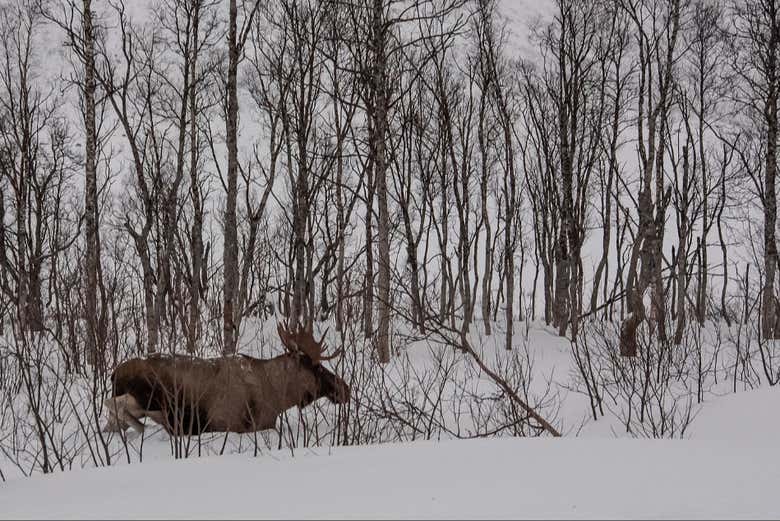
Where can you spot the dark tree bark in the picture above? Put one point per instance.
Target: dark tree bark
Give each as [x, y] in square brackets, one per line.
[91, 221]
[230, 253]
[231, 308]
[657, 48]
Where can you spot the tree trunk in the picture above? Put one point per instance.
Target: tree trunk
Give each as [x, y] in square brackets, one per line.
[230, 254]
[380, 128]
[368, 286]
[681, 264]
[300, 312]
[91, 201]
[196, 231]
[340, 219]
[487, 278]
[769, 300]
[509, 253]
[152, 322]
[724, 252]
[612, 172]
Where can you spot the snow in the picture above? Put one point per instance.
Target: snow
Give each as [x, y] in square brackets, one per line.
[727, 469]
[495, 478]
[741, 417]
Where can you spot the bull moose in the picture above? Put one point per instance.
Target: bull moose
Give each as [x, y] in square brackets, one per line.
[191, 395]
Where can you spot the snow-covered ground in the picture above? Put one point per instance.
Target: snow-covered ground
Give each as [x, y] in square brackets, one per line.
[728, 468]
[725, 467]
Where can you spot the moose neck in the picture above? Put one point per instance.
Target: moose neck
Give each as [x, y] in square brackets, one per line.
[307, 388]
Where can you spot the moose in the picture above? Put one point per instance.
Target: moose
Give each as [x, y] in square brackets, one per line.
[188, 395]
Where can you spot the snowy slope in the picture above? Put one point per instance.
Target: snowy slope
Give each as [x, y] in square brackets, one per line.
[494, 478]
[751, 417]
[727, 469]
[713, 475]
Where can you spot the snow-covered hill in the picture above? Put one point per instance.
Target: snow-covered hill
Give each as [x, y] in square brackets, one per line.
[728, 469]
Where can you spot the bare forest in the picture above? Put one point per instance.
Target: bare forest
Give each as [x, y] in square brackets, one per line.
[501, 221]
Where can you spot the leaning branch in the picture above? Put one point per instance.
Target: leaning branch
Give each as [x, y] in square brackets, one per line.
[446, 334]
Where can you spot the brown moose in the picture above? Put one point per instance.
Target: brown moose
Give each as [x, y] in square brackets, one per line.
[190, 395]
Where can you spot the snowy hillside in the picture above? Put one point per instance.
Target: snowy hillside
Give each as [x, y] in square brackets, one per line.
[725, 468]
[728, 470]
[494, 259]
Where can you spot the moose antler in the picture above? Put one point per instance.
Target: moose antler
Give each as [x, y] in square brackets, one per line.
[302, 342]
[324, 358]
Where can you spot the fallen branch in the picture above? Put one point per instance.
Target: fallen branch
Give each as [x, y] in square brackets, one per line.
[462, 343]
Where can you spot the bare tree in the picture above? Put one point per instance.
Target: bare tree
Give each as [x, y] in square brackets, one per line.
[757, 41]
[657, 25]
[36, 162]
[379, 43]
[236, 40]
[498, 83]
[91, 220]
[699, 91]
[77, 19]
[576, 48]
[614, 75]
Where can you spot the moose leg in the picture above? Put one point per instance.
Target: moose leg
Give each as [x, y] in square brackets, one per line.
[123, 412]
[113, 424]
[159, 418]
[115, 408]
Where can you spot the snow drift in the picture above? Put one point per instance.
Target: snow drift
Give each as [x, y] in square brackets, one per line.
[727, 469]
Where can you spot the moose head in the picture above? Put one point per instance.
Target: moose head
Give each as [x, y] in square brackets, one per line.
[300, 343]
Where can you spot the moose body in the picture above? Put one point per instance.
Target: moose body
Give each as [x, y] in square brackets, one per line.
[191, 395]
